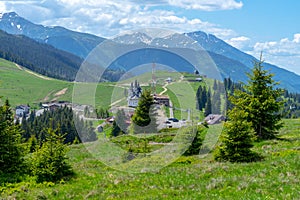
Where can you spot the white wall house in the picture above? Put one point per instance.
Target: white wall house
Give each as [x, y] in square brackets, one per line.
[21, 110]
[134, 94]
[133, 101]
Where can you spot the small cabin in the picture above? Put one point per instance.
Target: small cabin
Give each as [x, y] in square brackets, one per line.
[214, 119]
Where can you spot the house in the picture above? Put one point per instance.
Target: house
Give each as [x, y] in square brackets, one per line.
[162, 100]
[110, 120]
[134, 94]
[133, 101]
[169, 80]
[22, 110]
[53, 106]
[198, 79]
[214, 119]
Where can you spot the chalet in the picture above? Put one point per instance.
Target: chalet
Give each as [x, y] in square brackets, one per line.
[22, 110]
[214, 119]
[134, 94]
[162, 100]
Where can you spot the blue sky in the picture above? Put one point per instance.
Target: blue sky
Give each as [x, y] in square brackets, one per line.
[253, 26]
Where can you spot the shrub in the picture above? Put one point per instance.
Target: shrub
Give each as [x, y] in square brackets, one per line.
[194, 148]
[49, 162]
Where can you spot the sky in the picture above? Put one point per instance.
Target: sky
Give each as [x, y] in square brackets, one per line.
[253, 26]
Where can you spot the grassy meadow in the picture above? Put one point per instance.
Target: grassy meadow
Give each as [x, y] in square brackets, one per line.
[276, 177]
[21, 86]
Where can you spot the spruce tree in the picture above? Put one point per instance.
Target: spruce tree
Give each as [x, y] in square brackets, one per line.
[119, 124]
[49, 162]
[208, 106]
[144, 118]
[237, 138]
[11, 156]
[262, 101]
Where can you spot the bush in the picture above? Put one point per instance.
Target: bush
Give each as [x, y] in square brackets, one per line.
[49, 162]
[194, 148]
[236, 140]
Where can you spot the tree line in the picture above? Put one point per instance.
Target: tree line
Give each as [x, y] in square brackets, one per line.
[73, 128]
[45, 59]
[45, 162]
[40, 58]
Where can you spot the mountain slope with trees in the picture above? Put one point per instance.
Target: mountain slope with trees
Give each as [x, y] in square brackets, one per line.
[41, 58]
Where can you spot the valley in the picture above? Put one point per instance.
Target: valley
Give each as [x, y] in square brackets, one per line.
[147, 114]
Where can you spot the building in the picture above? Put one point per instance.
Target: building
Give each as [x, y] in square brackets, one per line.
[162, 100]
[22, 110]
[169, 80]
[54, 106]
[134, 94]
[214, 119]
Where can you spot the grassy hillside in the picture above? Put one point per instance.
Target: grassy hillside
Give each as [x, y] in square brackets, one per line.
[22, 86]
[276, 177]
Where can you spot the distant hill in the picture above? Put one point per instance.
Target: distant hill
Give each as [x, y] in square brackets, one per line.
[76, 43]
[230, 61]
[288, 80]
[38, 57]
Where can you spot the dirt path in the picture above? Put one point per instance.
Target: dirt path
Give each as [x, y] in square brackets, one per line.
[165, 89]
[61, 92]
[116, 102]
[33, 73]
[47, 97]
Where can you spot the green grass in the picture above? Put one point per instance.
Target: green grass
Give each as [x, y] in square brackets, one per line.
[185, 96]
[21, 87]
[276, 177]
[146, 78]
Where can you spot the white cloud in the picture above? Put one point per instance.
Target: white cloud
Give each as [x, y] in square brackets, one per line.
[240, 42]
[284, 53]
[110, 17]
[207, 5]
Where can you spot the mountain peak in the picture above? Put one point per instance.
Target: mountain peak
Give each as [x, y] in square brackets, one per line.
[9, 15]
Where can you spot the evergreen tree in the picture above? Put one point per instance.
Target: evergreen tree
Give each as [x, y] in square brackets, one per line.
[237, 139]
[196, 144]
[201, 97]
[208, 106]
[215, 85]
[116, 130]
[144, 118]
[49, 162]
[262, 102]
[216, 102]
[11, 156]
[119, 124]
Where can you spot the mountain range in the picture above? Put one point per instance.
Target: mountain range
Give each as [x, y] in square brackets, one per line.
[230, 61]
